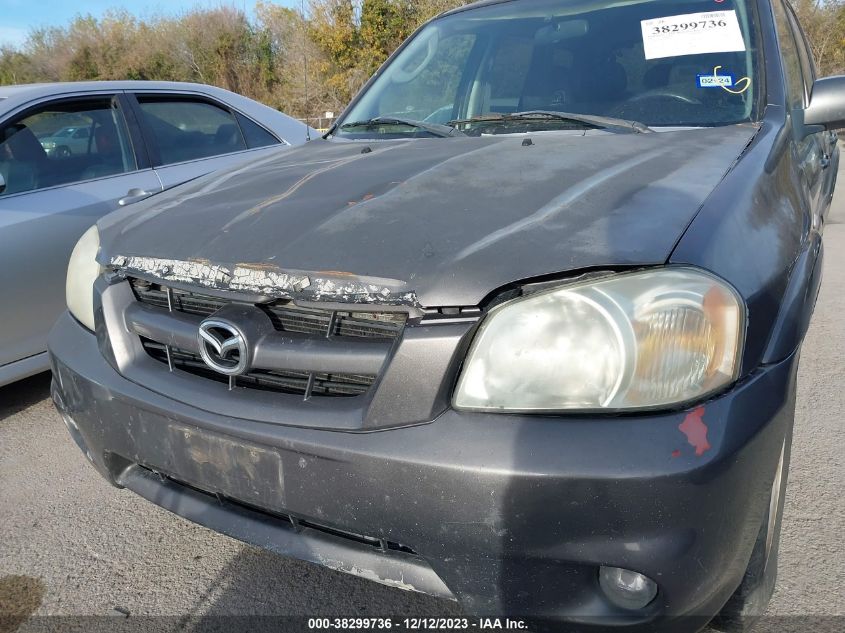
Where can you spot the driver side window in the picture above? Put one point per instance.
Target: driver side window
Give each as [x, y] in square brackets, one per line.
[63, 143]
[795, 92]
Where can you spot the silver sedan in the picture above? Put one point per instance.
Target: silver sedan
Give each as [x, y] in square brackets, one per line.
[72, 152]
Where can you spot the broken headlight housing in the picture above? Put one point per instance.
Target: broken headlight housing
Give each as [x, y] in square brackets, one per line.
[641, 340]
[82, 272]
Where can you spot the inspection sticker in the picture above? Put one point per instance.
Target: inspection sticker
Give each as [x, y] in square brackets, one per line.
[692, 34]
[716, 81]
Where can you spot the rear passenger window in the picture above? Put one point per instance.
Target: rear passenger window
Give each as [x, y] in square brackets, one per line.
[62, 143]
[255, 135]
[187, 130]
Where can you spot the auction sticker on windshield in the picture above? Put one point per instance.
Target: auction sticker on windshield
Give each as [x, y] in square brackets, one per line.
[692, 34]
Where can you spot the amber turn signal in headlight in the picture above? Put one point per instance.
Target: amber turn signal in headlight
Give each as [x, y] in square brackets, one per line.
[630, 341]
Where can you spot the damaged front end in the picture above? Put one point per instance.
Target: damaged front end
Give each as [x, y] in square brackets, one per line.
[270, 281]
[241, 340]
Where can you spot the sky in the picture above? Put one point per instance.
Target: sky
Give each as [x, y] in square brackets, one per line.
[18, 17]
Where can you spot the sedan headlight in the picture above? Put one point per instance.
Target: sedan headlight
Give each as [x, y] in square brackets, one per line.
[630, 341]
[82, 272]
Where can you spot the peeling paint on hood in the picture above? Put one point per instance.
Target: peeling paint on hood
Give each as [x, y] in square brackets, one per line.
[453, 219]
[269, 281]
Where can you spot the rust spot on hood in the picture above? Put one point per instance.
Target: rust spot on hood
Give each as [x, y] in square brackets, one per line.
[262, 266]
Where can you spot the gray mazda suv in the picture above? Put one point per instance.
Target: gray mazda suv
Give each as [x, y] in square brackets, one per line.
[520, 331]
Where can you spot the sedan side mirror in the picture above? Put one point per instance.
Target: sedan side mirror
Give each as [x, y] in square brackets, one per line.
[827, 105]
[2, 184]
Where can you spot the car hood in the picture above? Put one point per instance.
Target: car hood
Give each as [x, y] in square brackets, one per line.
[436, 222]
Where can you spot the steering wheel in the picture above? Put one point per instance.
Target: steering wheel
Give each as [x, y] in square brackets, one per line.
[632, 108]
[664, 94]
[441, 115]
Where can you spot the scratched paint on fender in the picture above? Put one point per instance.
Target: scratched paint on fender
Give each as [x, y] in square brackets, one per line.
[696, 431]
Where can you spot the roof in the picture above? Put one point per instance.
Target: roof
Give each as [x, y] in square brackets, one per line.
[474, 5]
[44, 89]
[17, 97]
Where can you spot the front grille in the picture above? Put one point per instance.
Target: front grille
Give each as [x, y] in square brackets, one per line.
[293, 382]
[286, 317]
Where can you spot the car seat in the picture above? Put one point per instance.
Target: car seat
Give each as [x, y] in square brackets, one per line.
[228, 137]
[108, 152]
[23, 162]
[602, 88]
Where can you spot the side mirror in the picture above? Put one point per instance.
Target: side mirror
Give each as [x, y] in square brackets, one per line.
[2, 184]
[827, 105]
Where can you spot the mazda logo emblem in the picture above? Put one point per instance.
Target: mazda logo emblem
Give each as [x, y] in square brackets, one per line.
[223, 347]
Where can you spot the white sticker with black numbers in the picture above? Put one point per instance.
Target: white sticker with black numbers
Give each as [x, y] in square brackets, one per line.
[692, 34]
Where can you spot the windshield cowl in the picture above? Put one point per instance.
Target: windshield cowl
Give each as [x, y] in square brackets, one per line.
[543, 118]
[378, 123]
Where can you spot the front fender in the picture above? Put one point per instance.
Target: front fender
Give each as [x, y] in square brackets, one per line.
[798, 303]
[756, 231]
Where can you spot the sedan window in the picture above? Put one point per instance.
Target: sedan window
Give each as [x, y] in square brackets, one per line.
[186, 129]
[255, 135]
[62, 143]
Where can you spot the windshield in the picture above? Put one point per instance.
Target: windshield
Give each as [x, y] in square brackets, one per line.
[659, 62]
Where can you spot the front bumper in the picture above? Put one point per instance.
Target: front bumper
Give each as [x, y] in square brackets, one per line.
[507, 514]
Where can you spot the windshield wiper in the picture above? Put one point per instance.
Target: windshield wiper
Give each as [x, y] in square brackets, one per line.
[598, 122]
[443, 131]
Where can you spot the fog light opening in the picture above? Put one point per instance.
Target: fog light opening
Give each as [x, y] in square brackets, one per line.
[627, 589]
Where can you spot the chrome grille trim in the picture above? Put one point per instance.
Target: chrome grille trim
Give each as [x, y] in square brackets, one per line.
[293, 382]
[286, 317]
[313, 353]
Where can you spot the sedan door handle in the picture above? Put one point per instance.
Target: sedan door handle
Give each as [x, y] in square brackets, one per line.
[133, 196]
[825, 161]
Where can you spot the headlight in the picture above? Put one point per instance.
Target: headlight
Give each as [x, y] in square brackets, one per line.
[630, 341]
[82, 272]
